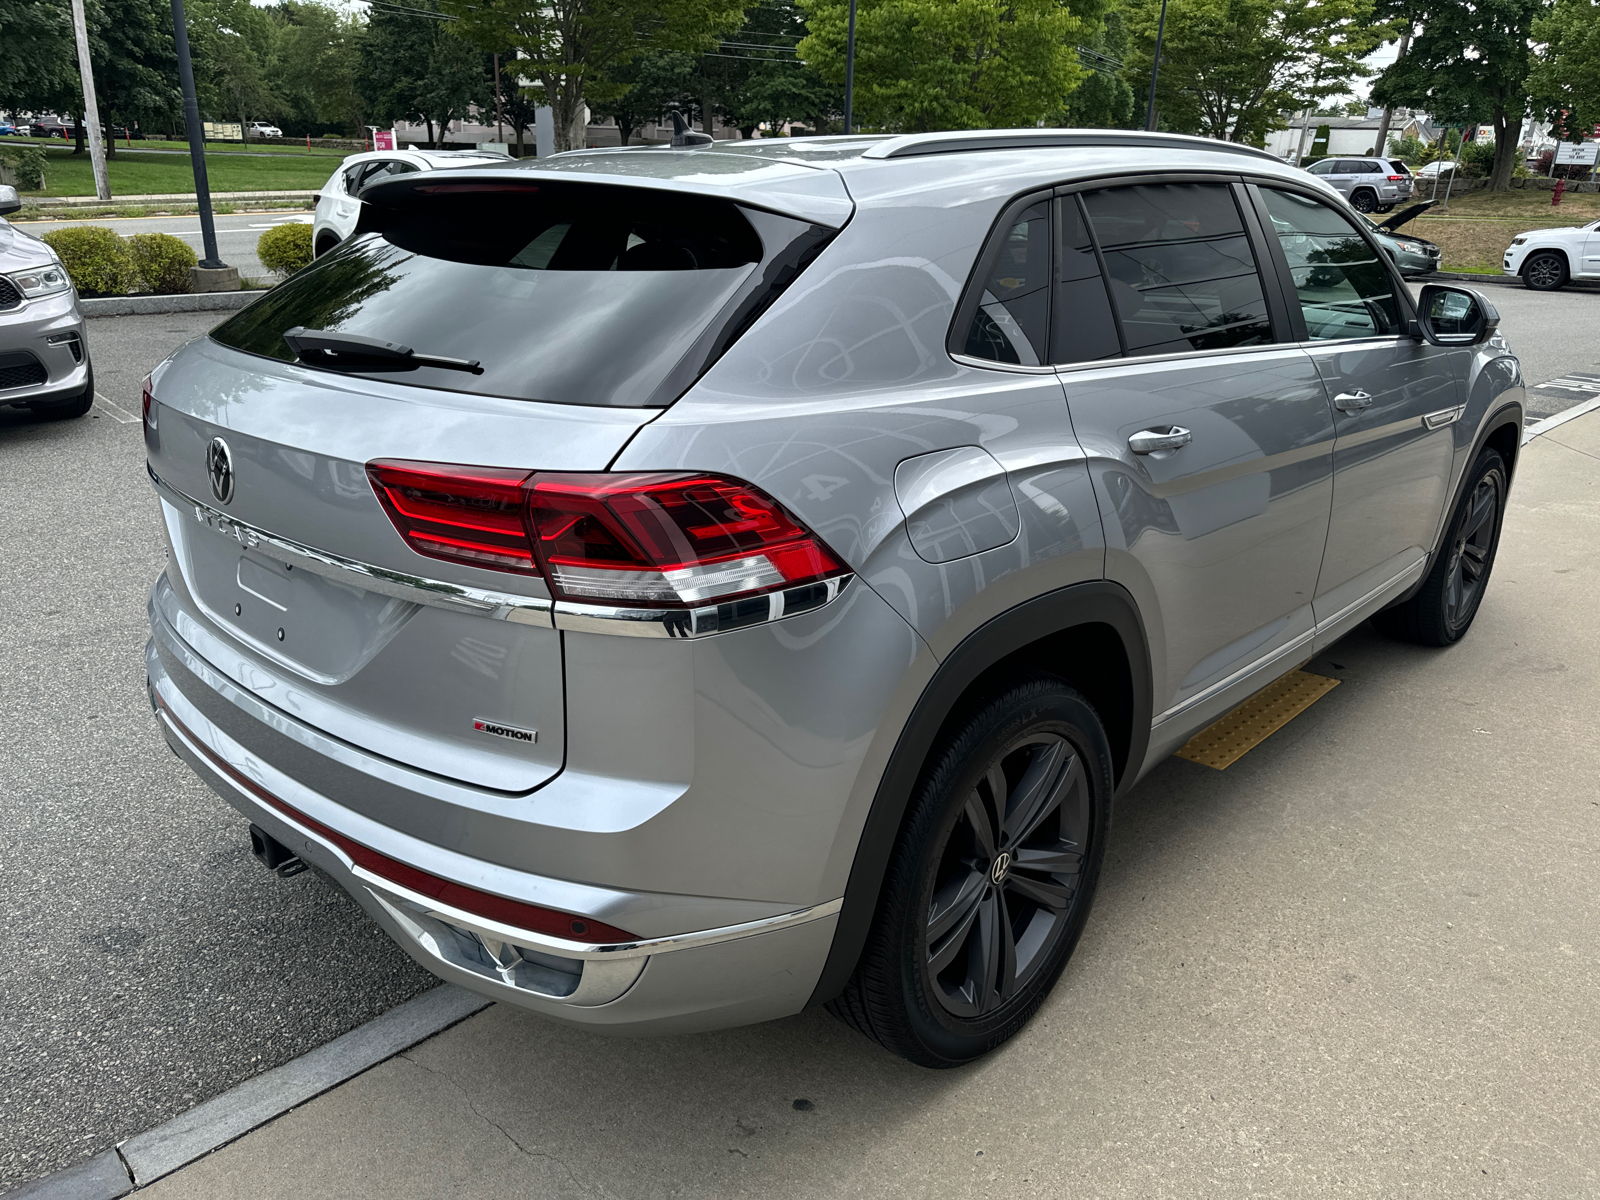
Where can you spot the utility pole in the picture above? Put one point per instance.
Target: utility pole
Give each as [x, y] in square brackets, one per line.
[1155, 69]
[850, 73]
[91, 108]
[1382, 147]
[197, 158]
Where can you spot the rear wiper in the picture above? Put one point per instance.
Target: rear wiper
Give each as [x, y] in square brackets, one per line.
[319, 342]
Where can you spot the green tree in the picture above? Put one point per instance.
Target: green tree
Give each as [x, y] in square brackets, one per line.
[232, 45]
[1105, 99]
[758, 77]
[414, 68]
[575, 49]
[135, 64]
[1565, 80]
[1469, 64]
[949, 64]
[318, 58]
[1230, 67]
[641, 90]
[37, 68]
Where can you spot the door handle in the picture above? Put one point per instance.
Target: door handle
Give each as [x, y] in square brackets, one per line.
[1150, 441]
[1352, 401]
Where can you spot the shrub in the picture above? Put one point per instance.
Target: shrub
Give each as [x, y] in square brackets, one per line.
[284, 249]
[97, 260]
[28, 163]
[163, 262]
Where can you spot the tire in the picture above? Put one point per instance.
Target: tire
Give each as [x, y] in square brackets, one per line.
[973, 925]
[1545, 271]
[65, 410]
[1363, 201]
[1442, 610]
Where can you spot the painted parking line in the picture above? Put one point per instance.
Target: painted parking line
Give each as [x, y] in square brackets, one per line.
[115, 411]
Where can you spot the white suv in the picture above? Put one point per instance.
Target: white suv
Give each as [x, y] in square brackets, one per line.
[337, 205]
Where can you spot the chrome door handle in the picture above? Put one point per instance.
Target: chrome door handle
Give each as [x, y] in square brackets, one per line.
[1149, 441]
[1352, 401]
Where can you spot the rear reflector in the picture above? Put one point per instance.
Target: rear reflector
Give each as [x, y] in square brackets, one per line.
[658, 539]
[457, 895]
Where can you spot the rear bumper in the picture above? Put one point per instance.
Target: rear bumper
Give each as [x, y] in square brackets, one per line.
[700, 979]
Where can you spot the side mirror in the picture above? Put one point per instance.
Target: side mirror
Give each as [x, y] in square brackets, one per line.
[1455, 316]
[10, 202]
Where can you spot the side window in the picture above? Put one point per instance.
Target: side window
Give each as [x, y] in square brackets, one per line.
[1083, 328]
[1181, 270]
[352, 177]
[1372, 168]
[1013, 314]
[1323, 166]
[1344, 288]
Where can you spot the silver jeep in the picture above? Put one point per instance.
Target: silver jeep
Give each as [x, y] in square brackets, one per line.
[669, 588]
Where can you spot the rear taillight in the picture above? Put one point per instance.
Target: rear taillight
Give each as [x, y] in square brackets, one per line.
[1396, 178]
[663, 540]
[147, 400]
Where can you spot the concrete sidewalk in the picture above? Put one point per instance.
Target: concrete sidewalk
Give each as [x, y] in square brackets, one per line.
[1361, 961]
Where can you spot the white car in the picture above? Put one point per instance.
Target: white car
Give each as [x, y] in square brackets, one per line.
[1547, 258]
[1444, 166]
[337, 205]
[262, 129]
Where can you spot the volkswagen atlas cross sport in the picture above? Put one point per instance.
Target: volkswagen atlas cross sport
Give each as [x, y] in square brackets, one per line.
[669, 588]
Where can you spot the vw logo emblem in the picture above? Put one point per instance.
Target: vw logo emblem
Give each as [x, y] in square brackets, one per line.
[1001, 868]
[219, 469]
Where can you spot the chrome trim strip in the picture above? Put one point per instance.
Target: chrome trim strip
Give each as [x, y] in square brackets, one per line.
[1260, 664]
[1350, 609]
[1445, 416]
[504, 606]
[609, 952]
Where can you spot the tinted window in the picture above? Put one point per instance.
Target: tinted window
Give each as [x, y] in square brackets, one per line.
[1181, 271]
[1372, 168]
[1322, 167]
[1014, 305]
[1084, 328]
[1397, 167]
[1344, 288]
[573, 293]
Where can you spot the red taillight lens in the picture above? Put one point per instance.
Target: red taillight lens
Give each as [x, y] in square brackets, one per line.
[147, 399]
[655, 539]
[1396, 178]
[472, 515]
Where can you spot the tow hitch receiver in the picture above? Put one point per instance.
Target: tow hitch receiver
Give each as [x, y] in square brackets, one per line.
[274, 855]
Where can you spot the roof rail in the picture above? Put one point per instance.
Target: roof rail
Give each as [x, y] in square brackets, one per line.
[956, 142]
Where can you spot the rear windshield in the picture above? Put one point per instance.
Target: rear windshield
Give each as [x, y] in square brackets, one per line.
[570, 293]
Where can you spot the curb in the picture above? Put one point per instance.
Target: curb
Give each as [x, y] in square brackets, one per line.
[1464, 277]
[146, 1157]
[162, 197]
[122, 306]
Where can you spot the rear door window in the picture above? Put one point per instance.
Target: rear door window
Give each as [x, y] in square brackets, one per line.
[1083, 327]
[1182, 273]
[1343, 286]
[566, 292]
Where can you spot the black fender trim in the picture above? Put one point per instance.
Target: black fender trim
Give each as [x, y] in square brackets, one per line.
[1096, 603]
[1493, 424]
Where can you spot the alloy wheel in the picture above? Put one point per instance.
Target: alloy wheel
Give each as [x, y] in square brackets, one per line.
[1469, 563]
[1362, 202]
[1008, 877]
[1544, 272]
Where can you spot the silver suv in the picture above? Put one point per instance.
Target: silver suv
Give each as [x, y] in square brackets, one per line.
[44, 353]
[1370, 184]
[671, 588]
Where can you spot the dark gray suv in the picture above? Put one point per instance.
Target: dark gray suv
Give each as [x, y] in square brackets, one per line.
[673, 587]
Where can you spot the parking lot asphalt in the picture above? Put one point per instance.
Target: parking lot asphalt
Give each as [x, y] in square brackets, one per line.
[150, 963]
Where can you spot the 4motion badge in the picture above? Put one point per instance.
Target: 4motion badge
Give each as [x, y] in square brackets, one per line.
[505, 731]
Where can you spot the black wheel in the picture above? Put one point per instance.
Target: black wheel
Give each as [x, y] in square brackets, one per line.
[64, 410]
[991, 880]
[1363, 201]
[1441, 612]
[1545, 271]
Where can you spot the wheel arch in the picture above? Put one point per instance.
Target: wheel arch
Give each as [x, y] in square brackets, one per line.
[1533, 252]
[1091, 635]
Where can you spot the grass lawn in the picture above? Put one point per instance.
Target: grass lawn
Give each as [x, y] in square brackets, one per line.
[289, 147]
[1475, 232]
[135, 174]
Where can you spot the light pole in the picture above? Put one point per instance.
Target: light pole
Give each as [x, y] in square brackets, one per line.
[1155, 69]
[850, 72]
[197, 139]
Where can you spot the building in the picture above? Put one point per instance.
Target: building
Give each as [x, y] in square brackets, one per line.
[1347, 135]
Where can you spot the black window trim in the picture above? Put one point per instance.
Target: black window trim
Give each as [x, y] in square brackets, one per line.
[1280, 261]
